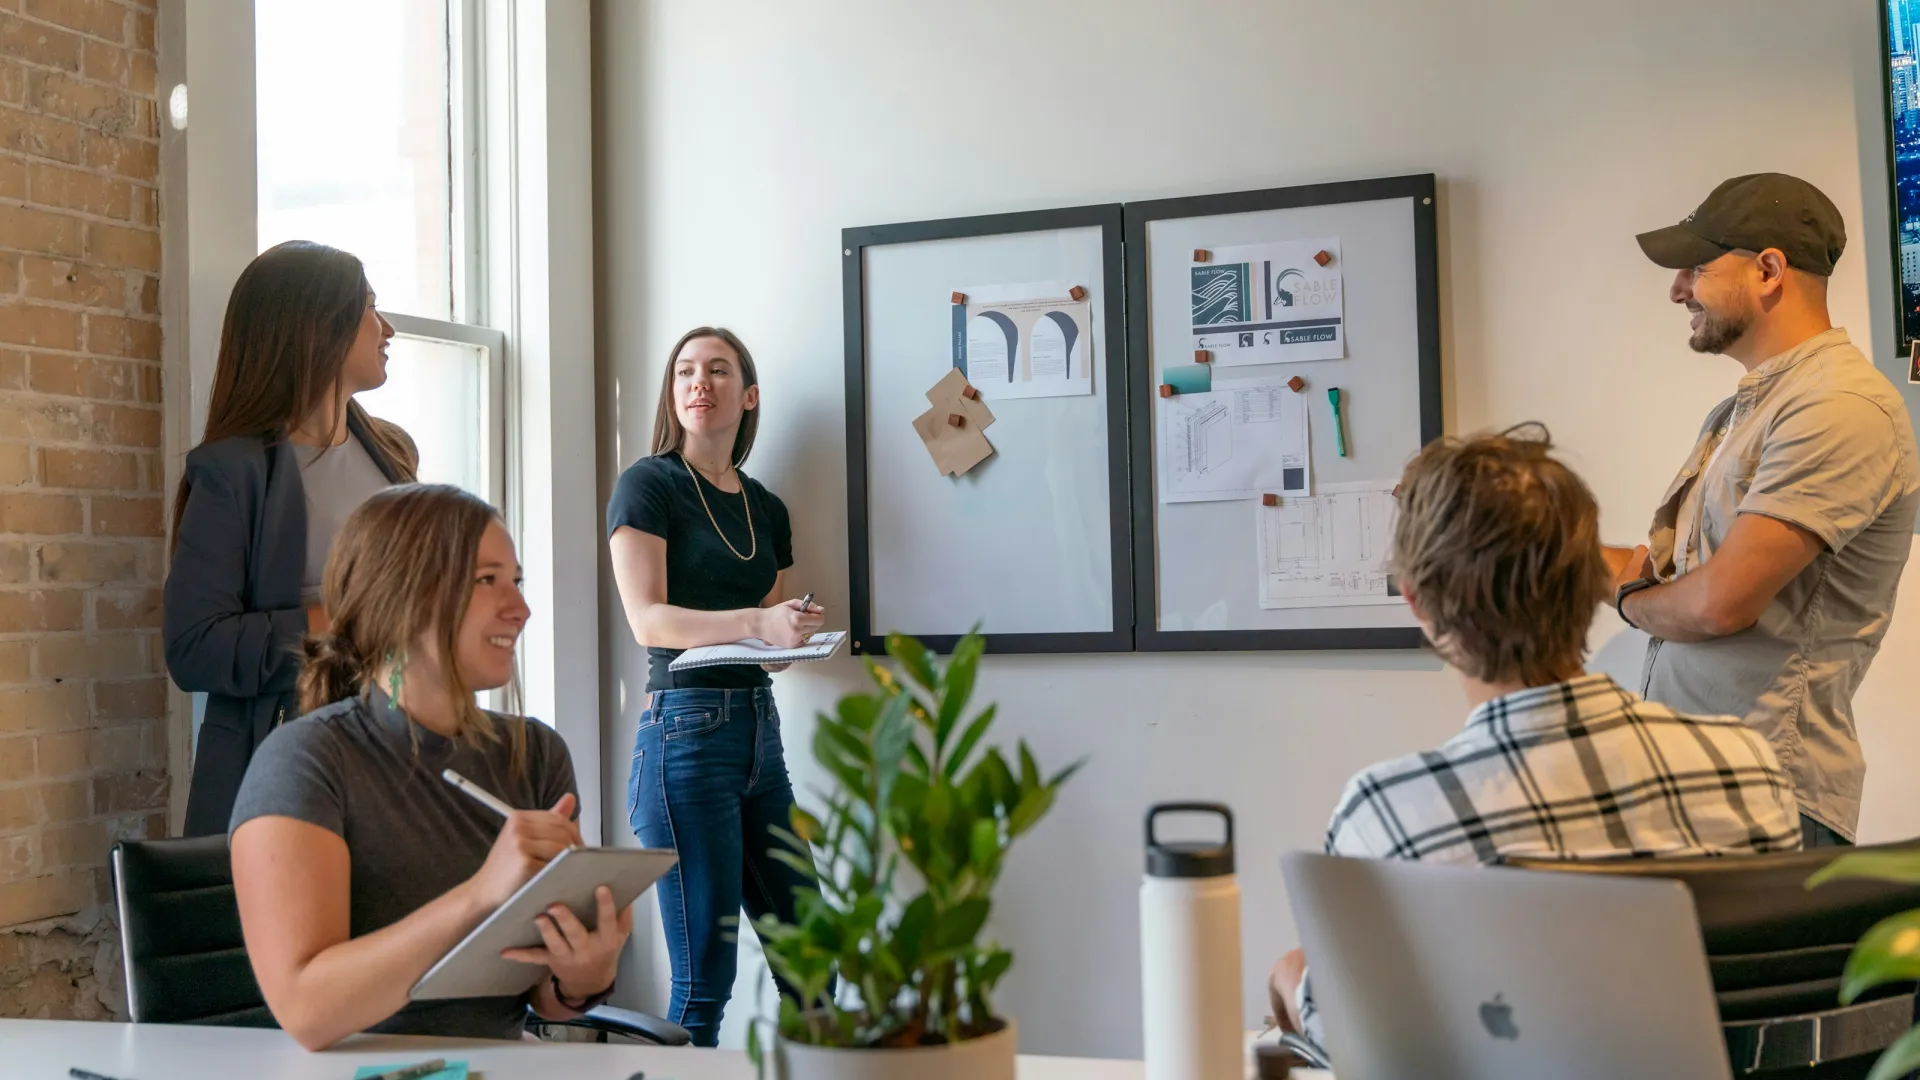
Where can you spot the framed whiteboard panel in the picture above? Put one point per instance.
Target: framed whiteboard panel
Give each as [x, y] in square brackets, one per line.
[1033, 543]
[1197, 570]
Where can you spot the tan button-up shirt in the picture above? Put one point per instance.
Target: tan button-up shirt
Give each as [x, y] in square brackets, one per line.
[1819, 438]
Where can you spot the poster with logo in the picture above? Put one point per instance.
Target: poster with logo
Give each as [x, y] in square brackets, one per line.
[1272, 303]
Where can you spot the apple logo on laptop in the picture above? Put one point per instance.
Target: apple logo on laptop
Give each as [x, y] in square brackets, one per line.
[1497, 1017]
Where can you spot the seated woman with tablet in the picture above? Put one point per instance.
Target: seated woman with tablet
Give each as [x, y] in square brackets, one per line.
[355, 865]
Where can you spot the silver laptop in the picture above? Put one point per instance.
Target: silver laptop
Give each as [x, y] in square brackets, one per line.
[1451, 973]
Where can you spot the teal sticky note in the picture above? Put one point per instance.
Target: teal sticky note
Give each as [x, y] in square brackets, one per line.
[1188, 378]
[455, 1070]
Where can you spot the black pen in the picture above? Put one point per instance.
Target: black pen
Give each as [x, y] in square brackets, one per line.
[82, 1074]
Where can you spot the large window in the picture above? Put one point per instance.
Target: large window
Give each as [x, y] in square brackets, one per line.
[442, 142]
[362, 127]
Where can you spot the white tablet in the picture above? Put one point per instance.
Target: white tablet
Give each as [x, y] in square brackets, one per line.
[474, 968]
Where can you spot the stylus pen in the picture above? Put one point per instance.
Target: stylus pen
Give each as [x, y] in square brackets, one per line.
[480, 795]
[412, 1072]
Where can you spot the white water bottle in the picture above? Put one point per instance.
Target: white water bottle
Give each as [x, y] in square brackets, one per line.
[1190, 955]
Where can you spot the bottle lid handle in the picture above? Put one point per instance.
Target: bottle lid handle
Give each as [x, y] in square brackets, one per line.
[1154, 812]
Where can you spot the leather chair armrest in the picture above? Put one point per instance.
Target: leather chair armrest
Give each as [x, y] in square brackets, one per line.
[1799, 1042]
[636, 1025]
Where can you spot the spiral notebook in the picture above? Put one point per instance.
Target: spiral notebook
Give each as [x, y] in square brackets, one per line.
[755, 651]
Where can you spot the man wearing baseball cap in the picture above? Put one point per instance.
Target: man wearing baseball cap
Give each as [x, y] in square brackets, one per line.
[1768, 578]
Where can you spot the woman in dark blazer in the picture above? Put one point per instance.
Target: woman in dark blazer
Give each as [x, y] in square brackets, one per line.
[286, 456]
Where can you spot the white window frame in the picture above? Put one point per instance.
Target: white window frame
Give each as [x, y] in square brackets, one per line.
[520, 72]
[493, 387]
[467, 133]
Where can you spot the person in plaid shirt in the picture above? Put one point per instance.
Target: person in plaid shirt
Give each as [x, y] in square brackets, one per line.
[1497, 552]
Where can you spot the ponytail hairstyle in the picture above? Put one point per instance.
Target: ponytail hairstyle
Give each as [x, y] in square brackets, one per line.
[401, 569]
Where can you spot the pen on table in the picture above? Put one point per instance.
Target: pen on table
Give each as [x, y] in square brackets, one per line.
[412, 1072]
[82, 1074]
[480, 795]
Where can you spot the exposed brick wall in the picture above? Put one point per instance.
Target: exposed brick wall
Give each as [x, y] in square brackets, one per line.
[83, 737]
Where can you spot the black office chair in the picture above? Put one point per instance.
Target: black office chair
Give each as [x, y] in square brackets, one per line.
[186, 962]
[1777, 950]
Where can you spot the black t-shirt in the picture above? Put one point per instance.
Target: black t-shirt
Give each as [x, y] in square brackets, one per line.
[657, 495]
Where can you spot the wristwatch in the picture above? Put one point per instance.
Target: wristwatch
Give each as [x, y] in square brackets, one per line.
[1620, 596]
[586, 1004]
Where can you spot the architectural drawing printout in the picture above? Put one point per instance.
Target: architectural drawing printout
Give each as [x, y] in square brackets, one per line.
[1031, 340]
[1233, 443]
[1329, 549]
[1270, 303]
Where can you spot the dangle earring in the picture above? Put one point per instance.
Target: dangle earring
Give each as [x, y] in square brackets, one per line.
[395, 662]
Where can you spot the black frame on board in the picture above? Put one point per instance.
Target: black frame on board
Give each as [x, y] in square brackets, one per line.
[1148, 637]
[853, 244]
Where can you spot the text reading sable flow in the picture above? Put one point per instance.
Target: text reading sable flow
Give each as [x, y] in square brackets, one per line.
[1269, 303]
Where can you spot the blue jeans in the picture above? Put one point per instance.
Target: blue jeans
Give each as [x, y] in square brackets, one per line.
[710, 780]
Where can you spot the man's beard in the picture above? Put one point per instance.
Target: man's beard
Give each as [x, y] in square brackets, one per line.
[1718, 332]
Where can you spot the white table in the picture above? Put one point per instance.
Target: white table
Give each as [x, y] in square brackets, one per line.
[46, 1049]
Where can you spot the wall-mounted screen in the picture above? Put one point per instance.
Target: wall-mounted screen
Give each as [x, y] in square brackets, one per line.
[1901, 34]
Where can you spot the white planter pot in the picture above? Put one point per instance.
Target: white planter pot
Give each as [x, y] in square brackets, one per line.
[987, 1058]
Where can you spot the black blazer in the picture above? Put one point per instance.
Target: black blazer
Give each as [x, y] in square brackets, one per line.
[232, 621]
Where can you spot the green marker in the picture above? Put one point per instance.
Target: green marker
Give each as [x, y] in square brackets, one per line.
[1339, 424]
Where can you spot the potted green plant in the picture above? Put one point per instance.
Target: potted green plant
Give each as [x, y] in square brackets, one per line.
[1889, 952]
[909, 843]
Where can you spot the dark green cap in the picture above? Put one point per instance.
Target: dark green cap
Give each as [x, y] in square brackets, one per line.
[1753, 213]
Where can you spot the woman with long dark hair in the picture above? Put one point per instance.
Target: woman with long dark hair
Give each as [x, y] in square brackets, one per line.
[285, 457]
[355, 866]
[700, 552]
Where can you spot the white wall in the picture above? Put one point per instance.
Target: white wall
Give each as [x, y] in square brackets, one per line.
[736, 139]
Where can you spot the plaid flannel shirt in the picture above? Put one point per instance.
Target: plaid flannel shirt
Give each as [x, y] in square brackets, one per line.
[1575, 770]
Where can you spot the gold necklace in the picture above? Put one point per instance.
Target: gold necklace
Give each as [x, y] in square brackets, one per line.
[753, 542]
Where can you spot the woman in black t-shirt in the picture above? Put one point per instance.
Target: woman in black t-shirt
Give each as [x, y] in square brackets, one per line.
[700, 552]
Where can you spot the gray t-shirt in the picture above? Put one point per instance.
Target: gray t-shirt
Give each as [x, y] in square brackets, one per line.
[1819, 438]
[337, 480]
[356, 769]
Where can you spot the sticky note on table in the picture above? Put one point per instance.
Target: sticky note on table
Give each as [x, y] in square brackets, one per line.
[455, 1070]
